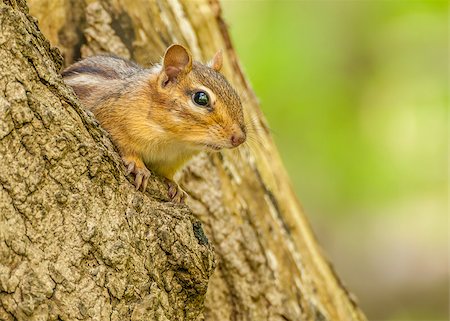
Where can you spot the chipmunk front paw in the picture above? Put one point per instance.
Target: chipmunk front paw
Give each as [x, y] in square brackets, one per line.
[137, 167]
[175, 192]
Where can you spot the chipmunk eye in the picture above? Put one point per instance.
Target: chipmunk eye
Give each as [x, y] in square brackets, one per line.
[201, 98]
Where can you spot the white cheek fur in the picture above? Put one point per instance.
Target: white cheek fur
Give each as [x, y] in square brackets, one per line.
[177, 120]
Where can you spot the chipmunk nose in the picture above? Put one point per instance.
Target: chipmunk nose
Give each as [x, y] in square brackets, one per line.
[238, 137]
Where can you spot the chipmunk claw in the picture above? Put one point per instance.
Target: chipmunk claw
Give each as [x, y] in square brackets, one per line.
[129, 167]
[175, 192]
[142, 174]
[141, 179]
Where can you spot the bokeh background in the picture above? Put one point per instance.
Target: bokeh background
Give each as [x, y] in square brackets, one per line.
[356, 94]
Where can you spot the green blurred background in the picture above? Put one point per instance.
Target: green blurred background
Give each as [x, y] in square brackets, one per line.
[356, 94]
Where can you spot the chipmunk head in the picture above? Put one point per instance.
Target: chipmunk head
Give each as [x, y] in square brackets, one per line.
[204, 110]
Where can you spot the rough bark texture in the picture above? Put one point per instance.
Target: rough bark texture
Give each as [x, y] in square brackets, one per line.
[78, 242]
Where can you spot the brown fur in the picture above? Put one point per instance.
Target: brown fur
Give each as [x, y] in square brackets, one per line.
[149, 112]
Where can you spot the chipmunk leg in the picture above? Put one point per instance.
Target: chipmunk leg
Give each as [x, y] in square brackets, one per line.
[135, 165]
[175, 192]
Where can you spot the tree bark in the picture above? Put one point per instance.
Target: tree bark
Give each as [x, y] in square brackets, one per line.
[78, 242]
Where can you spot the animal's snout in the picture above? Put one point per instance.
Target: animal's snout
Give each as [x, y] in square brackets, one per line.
[238, 136]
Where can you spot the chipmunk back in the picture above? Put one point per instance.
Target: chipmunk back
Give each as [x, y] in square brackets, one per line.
[162, 116]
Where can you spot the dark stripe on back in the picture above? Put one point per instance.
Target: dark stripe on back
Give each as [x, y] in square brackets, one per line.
[89, 69]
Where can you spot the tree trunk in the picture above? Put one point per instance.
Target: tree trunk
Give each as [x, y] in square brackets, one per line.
[78, 242]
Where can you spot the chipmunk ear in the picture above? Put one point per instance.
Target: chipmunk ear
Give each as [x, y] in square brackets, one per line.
[217, 61]
[177, 61]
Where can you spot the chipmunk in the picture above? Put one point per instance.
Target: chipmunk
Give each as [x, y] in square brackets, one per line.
[160, 117]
